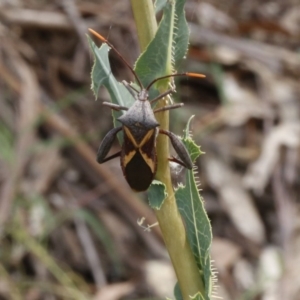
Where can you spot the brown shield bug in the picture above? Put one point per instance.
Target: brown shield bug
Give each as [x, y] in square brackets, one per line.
[140, 129]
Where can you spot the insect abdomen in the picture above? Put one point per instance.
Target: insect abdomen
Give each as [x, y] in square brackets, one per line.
[138, 173]
[138, 159]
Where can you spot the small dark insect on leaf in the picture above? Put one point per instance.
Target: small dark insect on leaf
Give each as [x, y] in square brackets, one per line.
[140, 129]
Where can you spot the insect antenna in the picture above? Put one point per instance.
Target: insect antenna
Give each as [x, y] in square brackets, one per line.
[198, 75]
[104, 40]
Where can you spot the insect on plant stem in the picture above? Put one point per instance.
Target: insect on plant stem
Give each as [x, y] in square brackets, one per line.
[140, 130]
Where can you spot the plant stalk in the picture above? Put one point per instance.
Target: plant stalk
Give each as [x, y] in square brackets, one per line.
[146, 25]
[168, 216]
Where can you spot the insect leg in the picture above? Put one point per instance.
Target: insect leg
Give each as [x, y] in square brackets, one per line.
[106, 145]
[163, 95]
[177, 161]
[168, 107]
[111, 157]
[179, 148]
[115, 106]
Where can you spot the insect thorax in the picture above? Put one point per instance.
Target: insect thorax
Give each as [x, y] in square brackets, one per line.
[139, 120]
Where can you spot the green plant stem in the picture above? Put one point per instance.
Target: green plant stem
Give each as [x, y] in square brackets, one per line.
[168, 216]
[145, 21]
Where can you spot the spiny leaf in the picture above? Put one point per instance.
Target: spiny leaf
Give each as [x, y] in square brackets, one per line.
[198, 296]
[192, 147]
[191, 207]
[181, 33]
[178, 296]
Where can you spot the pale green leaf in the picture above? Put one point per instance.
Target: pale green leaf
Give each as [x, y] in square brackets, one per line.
[177, 292]
[102, 75]
[159, 5]
[156, 194]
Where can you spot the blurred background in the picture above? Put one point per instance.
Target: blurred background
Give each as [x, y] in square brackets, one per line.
[69, 227]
